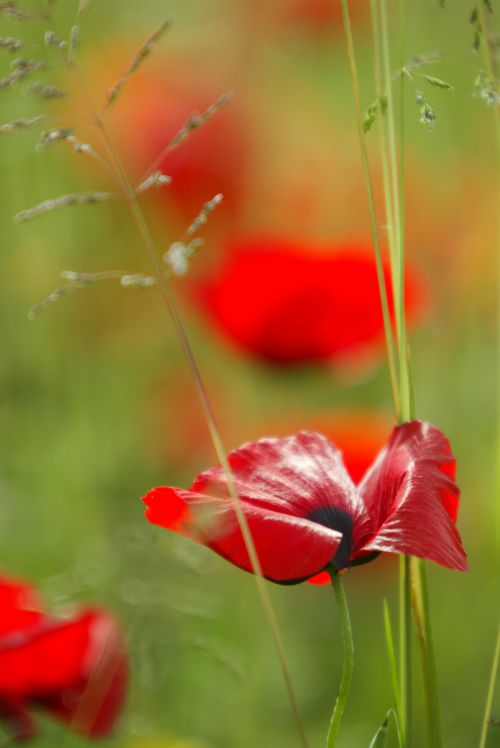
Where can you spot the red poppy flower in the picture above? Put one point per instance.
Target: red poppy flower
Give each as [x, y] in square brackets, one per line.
[288, 303]
[74, 668]
[305, 513]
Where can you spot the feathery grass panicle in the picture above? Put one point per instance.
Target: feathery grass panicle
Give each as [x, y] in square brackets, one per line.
[196, 120]
[14, 10]
[487, 89]
[54, 40]
[56, 135]
[202, 216]
[142, 53]
[21, 69]
[156, 179]
[11, 44]
[79, 198]
[45, 92]
[74, 39]
[428, 114]
[54, 296]
[78, 281]
[22, 124]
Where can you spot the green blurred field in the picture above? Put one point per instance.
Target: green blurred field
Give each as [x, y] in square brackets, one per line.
[94, 392]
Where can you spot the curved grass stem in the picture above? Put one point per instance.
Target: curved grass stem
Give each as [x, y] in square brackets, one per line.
[348, 662]
[168, 296]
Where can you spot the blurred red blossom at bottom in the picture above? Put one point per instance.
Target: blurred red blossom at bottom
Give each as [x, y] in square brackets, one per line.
[307, 515]
[75, 668]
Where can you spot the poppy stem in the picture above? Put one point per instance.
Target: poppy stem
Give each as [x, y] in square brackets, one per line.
[348, 646]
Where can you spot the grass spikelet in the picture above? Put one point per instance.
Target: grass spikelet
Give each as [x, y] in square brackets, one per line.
[54, 40]
[156, 179]
[83, 7]
[78, 281]
[438, 82]
[21, 124]
[12, 9]
[54, 296]
[202, 217]
[22, 68]
[142, 53]
[11, 44]
[45, 92]
[193, 122]
[51, 137]
[196, 120]
[79, 198]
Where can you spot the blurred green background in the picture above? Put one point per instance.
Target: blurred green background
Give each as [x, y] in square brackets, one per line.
[97, 404]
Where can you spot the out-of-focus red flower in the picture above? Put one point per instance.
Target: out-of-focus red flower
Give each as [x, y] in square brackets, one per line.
[212, 159]
[322, 14]
[75, 668]
[289, 303]
[306, 514]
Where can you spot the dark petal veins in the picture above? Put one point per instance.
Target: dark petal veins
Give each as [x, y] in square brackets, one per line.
[412, 499]
[290, 549]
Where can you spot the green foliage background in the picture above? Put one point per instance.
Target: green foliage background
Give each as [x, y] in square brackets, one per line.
[82, 434]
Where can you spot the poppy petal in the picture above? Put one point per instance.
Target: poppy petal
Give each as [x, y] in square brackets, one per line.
[412, 499]
[296, 475]
[290, 548]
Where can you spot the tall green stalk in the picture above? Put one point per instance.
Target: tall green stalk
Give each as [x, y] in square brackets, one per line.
[391, 350]
[347, 667]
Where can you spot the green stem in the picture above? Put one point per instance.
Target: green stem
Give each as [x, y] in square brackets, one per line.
[491, 692]
[397, 202]
[420, 600]
[391, 354]
[405, 651]
[345, 684]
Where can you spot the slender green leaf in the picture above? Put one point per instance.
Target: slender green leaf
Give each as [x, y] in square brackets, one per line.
[380, 738]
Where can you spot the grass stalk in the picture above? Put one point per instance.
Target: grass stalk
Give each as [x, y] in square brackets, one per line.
[391, 351]
[348, 661]
[420, 604]
[397, 190]
[490, 693]
[169, 299]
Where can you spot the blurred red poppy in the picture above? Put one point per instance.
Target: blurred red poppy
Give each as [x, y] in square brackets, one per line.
[323, 14]
[74, 668]
[305, 513]
[289, 303]
[212, 159]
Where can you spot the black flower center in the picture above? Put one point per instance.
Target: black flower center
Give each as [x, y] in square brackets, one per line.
[340, 520]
